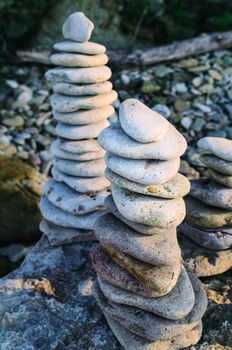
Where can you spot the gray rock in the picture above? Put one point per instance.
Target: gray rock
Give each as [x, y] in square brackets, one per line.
[215, 163]
[80, 147]
[218, 146]
[77, 27]
[225, 180]
[87, 48]
[77, 60]
[162, 109]
[93, 168]
[81, 132]
[82, 90]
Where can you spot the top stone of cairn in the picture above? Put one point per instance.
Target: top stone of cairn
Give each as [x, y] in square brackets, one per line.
[77, 27]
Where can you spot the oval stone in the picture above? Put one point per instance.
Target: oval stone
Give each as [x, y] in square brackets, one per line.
[219, 146]
[82, 90]
[80, 147]
[88, 131]
[78, 60]
[88, 48]
[215, 163]
[77, 27]
[93, 168]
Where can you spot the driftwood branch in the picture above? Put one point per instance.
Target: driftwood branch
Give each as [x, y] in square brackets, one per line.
[145, 57]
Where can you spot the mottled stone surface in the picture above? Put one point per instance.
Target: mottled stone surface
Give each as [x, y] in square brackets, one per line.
[80, 90]
[93, 168]
[77, 27]
[218, 146]
[77, 60]
[81, 132]
[225, 180]
[220, 165]
[87, 48]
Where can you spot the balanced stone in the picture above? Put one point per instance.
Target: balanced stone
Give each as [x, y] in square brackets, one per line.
[160, 212]
[116, 141]
[77, 27]
[177, 186]
[83, 117]
[87, 48]
[144, 172]
[80, 147]
[141, 123]
[215, 163]
[225, 180]
[77, 60]
[82, 90]
[218, 146]
[72, 132]
[93, 168]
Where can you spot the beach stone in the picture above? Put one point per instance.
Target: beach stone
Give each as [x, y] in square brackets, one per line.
[202, 261]
[174, 305]
[83, 117]
[59, 217]
[163, 213]
[91, 75]
[116, 141]
[177, 186]
[71, 201]
[93, 168]
[211, 193]
[142, 123]
[219, 239]
[77, 27]
[205, 216]
[132, 341]
[80, 147]
[58, 235]
[161, 279]
[219, 146]
[225, 180]
[215, 163]
[81, 184]
[67, 104]
[156, 250]
[144, 172]
[78, 60]
[88, 48]
[81, 132]
[149, 325]
[82, 90]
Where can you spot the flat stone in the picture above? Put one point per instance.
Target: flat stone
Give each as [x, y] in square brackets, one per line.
[84, 117]
[81, 132]
[67, 104]
[77, 27]
[65, 198]
[174, 305]
[115, 140]
[202, 261]
[163, 213]
[211, 193]
[142, 123]
[111, 272]
[144, 172]
[58, 235]
[149, 325]
[159, 249]
[205, 216]
[88, 48]
[78, 60]
[81, 184]
[219, 239]
[93, 168]
[218, 146]
[82, 90]
[161, 279]
[59, 217]
[144, 229]
[79, 147]
[177, 186]
[225, 180]
[215, 163]
[90, 75]
[132, 341]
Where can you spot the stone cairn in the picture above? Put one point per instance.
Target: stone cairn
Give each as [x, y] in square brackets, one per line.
[209, 211]
[81, 104]
[147, 297]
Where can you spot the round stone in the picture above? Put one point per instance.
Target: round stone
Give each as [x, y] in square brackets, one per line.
[82, 90]
[144, 172]
[90, 75]
[85, 117]
[225, 180]
[115, 140]
[177, 186]
[218, 146]
[77, 27]
[93, 168]
[80, 147]
[67, 104]
[87, 48]
[88, 131]
[81, 184]
[163, 213]
[215, 163]
[141, 123]
[78, 60]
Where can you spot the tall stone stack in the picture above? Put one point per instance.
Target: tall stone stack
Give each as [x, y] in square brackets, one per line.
[209, 211]
[81, 104]
[147, 297]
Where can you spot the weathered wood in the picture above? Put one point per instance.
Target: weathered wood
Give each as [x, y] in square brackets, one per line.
[145, 57]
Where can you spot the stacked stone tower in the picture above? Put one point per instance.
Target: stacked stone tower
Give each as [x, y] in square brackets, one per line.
[209, 211]
[147, 297]
[81, 104]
